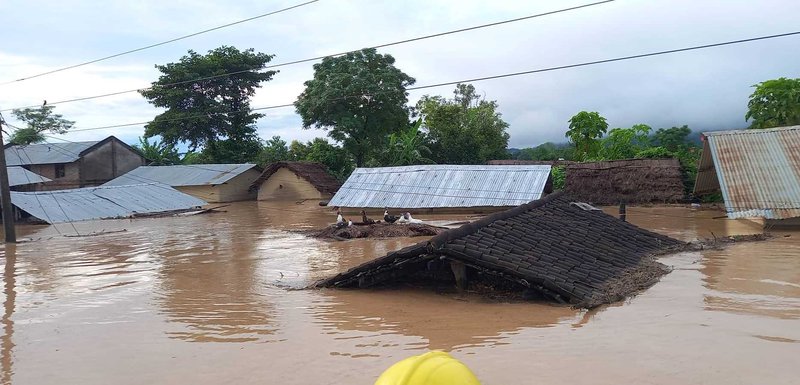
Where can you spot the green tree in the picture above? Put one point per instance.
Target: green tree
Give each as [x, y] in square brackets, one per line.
[624, 143]
[464, 130]
[339, 162]
[38, 121]
[208, 110]
[158, 153]
[407, 147]
[774, 103]
[359, 98]
[673, 139]
[585, 131]
[547, 151]
[275, 150]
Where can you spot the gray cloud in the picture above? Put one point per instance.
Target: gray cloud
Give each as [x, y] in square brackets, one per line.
[706, 89]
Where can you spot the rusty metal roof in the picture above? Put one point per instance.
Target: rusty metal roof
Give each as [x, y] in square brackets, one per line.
[757, 171]
[439, 186]
[18, 176]
[102, 202]
[182, 175]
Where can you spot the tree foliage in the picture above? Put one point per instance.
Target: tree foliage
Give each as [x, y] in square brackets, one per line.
[547, 151]
[464, 130]
[38, 121]
[407, 147]
[158, 153]
[774, 103]
[624, 143]
[673, 139]
[585, 130]
[207, 110]
[359, 98]
[337, 159]
[274, 150]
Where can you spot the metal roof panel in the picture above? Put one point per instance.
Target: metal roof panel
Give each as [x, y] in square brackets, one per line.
[18, 176]
[182, 175]
[102, 202]
[437, 186]
[46, 153]
[758, 171]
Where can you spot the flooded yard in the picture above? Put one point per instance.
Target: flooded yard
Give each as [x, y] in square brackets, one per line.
[213, 299]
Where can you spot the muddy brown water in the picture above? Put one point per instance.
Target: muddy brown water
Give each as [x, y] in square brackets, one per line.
[209, 299]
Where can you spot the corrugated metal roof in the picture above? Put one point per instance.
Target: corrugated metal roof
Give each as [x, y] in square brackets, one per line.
[757, 171]
[46, 153]
[102, 202]
[437, 186]
[18, 176]
[183, 175]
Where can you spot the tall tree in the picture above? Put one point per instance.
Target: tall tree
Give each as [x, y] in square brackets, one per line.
[464, 130]
[359, 98]
[774, 103]
[585, 130]
[206, 108]
[38, 121]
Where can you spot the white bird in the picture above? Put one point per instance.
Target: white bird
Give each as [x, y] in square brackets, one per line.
[407, 218]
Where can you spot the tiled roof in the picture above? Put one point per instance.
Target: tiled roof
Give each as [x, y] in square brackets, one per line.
[551, 246]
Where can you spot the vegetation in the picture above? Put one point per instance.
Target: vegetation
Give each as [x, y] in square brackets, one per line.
[209, 112]
[464, 130]
[585, 131]
[407, 147]
[38, 121]
[774, 103]
[359, 98]
[158, 153]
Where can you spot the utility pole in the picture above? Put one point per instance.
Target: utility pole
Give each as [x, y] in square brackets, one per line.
[5, 193]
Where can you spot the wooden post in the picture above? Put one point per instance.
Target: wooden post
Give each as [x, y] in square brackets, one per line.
[622, 212]
[460, 272]
[5, 195]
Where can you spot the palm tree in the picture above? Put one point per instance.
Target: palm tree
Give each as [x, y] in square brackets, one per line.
[408, 147]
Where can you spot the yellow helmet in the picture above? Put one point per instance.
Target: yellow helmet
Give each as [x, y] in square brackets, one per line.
[432, 368]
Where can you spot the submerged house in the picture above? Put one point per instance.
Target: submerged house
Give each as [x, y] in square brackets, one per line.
[209, 182]
[444, 187]
[75, 164]
[102, 202]
[757, 172]
[554, 248]
[295, 181]
[626, 181]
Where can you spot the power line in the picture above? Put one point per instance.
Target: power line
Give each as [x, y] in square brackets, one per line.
[158, 44]
[410, 40]
[506, 75]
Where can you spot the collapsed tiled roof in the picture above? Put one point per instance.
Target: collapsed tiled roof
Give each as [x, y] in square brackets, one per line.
[551, 246]
[315, 173]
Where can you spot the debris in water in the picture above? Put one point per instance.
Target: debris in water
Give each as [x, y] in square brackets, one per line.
[376, 230]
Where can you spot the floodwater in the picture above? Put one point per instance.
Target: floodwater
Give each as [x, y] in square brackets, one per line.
[212, 299]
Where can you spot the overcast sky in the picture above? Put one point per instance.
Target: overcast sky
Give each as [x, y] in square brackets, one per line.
[705, 89]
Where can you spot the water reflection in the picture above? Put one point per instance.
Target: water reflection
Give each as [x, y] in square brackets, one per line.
[9, 304]
[210, 281]
[444, 321]
[758, 278]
